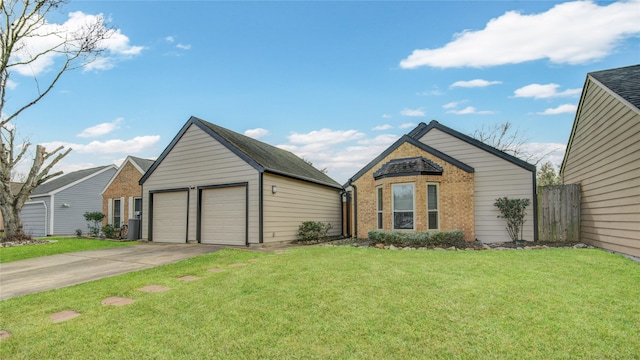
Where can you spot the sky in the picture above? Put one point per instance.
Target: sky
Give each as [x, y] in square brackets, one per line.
[333, 82]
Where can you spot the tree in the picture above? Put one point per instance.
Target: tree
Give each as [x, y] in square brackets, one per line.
[513, 211]
[23, 31]
[547, 175]
[508, 139]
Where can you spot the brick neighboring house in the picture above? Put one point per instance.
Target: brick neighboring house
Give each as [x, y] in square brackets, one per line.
[122, 197]
[437, 179]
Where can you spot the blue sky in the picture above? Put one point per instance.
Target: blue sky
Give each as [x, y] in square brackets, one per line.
[333, 82]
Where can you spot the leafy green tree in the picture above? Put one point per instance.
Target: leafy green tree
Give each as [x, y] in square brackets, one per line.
[514, 212]
[547, 175]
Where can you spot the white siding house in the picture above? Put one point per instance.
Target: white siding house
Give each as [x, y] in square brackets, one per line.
[603, 156]
[213, 185]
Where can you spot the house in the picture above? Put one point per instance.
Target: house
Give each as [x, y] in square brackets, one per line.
[57, 207]
[122, 197]
[212, 185]
[603, 156]
[436, 178]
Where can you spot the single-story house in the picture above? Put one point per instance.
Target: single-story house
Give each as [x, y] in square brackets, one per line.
[435, 179]
[122, 197]
[57, 207]
[213, 185]
[603, 156]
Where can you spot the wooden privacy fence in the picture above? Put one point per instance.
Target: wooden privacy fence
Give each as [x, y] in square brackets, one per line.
[559, 213]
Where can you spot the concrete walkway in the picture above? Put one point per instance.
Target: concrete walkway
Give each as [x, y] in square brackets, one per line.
[56, 271]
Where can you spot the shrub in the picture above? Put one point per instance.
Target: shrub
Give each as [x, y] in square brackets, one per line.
[93, 222]
[79, 233]
[109, 231]
[514, 212]
[313, 231]
[418, 239]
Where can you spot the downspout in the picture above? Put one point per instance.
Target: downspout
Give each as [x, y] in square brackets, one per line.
[260, 207]
[355, 210]
[535, 208]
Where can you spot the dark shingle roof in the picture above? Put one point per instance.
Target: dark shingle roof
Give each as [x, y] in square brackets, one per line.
[271, 158]
[408, 166]
[624, 81]
[144, 164]
[64, 180]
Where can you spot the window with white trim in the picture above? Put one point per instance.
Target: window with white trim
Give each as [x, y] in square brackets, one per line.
[380, 207]
[116, 213]
[433, 218]
[402, 203]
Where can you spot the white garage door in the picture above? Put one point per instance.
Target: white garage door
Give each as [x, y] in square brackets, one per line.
[224, 216]
[34, 219]
[170, 217]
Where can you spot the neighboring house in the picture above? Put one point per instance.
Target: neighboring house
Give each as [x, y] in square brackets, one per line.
[57, 207]
[212, 185]
[122, 197]
[603, 156]
[436, 178]
[15, 188]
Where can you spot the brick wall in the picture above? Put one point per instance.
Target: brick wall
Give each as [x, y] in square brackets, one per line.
[125, 185]
[455, 191]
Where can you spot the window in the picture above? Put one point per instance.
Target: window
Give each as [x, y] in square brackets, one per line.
[432, 207]
[137, 207]
[402, 206]
[116, 213]
[380, 209]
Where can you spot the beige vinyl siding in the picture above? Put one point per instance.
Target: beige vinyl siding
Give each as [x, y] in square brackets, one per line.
[494, 178]
[198, 159]
[294, 202]
[604, 158]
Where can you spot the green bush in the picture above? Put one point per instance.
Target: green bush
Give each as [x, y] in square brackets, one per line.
[93, 222]
[418, 239]
[313, 231]
[514, 213]
[109, 231]
[78, 233]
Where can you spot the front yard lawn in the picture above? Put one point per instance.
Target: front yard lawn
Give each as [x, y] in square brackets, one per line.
[60, 245]
[344, 302]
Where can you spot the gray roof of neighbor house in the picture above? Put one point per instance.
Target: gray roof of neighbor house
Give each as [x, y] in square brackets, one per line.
[624, 81]
[260, 155]
[144, 164]
[66, 179]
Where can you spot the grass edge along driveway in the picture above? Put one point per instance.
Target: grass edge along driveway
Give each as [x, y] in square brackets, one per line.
[58, 245]
[343, 302]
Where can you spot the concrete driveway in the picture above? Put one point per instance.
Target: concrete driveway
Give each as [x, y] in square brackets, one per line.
[56, 271]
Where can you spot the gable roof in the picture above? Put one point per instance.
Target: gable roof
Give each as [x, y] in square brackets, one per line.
[624, 81]
[422, 146]
[140, 164]
[417, 165]
[422, 129]
[262, 156]
[65, 181]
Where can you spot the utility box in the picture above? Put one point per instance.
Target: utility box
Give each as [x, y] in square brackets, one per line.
[134, 229]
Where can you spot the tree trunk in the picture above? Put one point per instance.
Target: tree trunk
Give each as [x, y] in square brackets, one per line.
[12, 223]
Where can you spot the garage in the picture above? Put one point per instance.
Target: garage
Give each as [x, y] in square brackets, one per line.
[170, 216]
[34, 219]
[223, 215]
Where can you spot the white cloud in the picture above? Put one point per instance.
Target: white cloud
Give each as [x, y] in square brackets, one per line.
[386, 116]
[562, 109]
[452, 105]
[101, 129]
[539, 91]
[184, 46]
[48, 36]
[475, 83]
[256, 133]
[407, 125]
[413, 112]
[435, 91]
[564, 34]
[382, 127]
[11, 85]
[470, 110]
[544, 152]
[170, 39]
[324, 137]
[116, 146]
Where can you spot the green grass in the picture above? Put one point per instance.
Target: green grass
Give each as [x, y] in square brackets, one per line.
[60, 246]
[346, 303]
